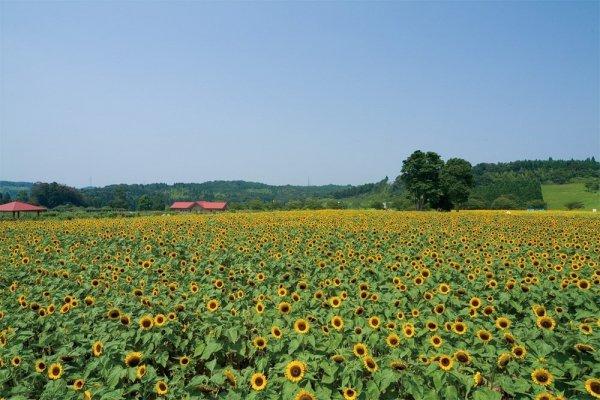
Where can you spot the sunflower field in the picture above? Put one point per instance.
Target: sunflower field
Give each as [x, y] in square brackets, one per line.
[302, 305]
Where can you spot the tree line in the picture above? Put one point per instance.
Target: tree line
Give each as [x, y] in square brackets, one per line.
[425, 181]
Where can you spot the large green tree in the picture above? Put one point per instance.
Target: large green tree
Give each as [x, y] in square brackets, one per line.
[55, 194]
[456, 180]
[421, 177]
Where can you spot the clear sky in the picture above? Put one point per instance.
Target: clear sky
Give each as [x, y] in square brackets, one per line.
[341, 92]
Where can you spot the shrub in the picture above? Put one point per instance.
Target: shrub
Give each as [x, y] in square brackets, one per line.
[574, 205]
[504, 203]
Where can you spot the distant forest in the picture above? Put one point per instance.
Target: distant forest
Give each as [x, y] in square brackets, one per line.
[513, 185]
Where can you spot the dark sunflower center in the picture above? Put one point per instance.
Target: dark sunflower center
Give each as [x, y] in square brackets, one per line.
[258, 381]
[296, 371]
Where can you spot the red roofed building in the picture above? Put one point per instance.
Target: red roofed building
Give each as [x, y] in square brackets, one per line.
[199, 206]
[17, 207]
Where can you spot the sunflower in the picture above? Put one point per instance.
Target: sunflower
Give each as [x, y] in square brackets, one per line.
[408, 330]
[538, 310]
[301, 326]
[133, 359]
[445, 362]
[503, 323]
[78, 384]
[335, 302]
[360, 350]
[338, 358]
[478, 379]
[184, 361]
[584, 348]
[40, 366]
[260, 307]
[475, 302]
[140, 371]
[460, 328]
[503, 359]
[294, 370]
[284, 307]
[161, 388]
[146, 322]
[349, 393]
[113, 313]
[436, 341]
[592, 386]
[258, 381]
[544, 396]
[546, 322]
[392, 340]
[230, 376]
[260, 343]
[276, 332]
[55, 371]
[370, 364]
[97, 348]
[337, 322]
[542, 377]
[398, 365]
[519, 351]
[586, 329]
[160, 320]
[484, 335]
[374, 322]
[462, 356]
[304, 395]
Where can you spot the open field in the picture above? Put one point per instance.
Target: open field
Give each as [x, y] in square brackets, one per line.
[302, 305]
[556, 196]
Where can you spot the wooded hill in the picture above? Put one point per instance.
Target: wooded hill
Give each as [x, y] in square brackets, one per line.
[501, 185]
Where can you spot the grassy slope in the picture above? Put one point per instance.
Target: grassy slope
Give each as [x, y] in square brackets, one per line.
[557, 195]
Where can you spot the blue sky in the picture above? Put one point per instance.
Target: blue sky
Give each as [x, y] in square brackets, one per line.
[341, 92]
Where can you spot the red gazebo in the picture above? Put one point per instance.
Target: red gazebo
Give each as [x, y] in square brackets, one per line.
[17, 207]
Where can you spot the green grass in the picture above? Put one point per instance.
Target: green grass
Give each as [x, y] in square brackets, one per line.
[556, 196]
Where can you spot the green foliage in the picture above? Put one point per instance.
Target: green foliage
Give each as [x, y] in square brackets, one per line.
[54, 194]
[421, 176]
[592, 184]
[5, 198]
[144, 203]
[456, 179]
[505, 202]
[574, 205]
[474, 203]
[558, 195]
[14, 188]
[522, 188]
[546, 171]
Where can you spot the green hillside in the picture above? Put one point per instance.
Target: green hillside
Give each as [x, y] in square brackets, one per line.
[556, 196]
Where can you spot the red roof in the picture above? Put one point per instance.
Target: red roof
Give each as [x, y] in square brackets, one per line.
[206, 205]
[20, 206]
[213, 205]
[182, 205]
